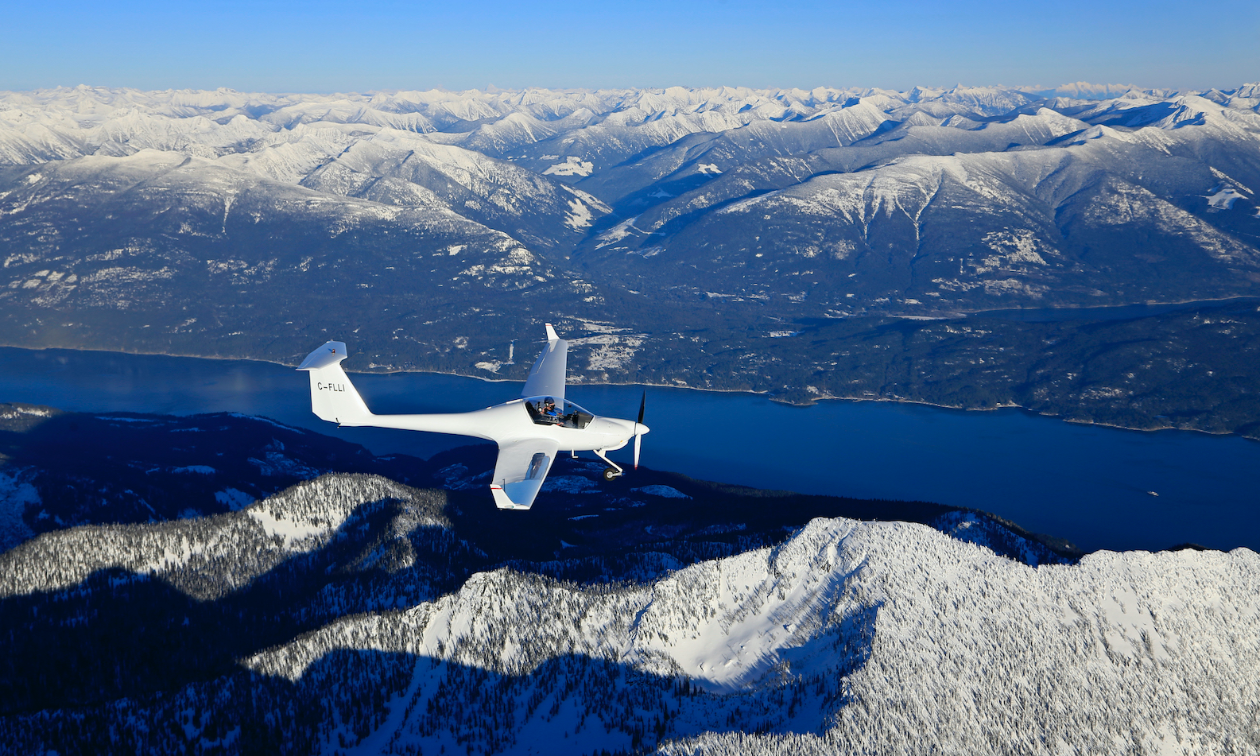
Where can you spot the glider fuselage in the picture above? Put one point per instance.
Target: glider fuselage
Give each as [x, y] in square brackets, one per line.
[510, 421]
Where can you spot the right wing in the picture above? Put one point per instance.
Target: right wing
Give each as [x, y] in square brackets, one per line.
[546, 377]
[520, 471]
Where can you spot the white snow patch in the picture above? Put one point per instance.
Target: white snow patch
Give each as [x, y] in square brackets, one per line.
[1224, 198]
[1013, 250]
[572, 166]
[618, 232]
[579, 215]
[15, 412]
[600, 326]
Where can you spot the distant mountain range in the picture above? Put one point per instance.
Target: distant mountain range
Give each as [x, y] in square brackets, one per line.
[1084, 90]
[430, 227]
[285, 609]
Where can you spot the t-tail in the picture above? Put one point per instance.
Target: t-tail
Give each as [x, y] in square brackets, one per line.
[333, 396]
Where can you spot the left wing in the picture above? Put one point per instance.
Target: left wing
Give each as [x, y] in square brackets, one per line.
[546, 377]
[520, 471]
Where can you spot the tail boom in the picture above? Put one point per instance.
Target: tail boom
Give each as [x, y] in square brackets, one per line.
[335, 399]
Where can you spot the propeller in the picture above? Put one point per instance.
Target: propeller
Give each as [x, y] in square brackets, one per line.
[638, 437]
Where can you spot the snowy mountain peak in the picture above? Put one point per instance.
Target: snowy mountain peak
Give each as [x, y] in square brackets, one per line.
[850, 620]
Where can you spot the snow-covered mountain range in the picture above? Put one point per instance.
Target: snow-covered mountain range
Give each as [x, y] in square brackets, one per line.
[847, 636]
[693, 222]
[853, 199]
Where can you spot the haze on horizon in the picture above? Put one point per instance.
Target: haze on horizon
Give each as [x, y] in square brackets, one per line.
[323, 46]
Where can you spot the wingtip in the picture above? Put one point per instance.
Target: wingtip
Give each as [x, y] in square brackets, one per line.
[551, 333]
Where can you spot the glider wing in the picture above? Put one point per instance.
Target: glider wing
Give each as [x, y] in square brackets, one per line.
[520, 471]
[546, 377]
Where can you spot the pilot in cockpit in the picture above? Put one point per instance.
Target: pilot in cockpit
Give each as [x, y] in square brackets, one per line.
[550, 412]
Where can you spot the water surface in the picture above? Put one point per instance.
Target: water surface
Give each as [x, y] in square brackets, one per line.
[1089, 484]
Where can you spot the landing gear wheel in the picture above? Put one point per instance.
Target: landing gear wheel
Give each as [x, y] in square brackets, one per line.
[611, 474]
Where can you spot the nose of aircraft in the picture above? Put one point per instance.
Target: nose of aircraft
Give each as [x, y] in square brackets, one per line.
[618, 426]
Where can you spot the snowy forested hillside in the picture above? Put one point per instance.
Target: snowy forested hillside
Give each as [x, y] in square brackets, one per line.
[846, 637]
[887, 638]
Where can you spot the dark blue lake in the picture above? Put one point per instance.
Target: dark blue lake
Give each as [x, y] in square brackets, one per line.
[1084, 483]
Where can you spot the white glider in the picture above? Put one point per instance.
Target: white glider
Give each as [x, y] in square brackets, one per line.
[530, 431]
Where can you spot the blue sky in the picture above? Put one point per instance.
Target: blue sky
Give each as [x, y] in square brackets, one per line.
[325, 46]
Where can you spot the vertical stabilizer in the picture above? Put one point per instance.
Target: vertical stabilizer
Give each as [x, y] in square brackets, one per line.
[333, 396]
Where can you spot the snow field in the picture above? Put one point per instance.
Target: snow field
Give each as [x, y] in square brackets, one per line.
[847, 637]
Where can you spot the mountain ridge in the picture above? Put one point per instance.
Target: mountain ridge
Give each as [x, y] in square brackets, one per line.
[808, 645]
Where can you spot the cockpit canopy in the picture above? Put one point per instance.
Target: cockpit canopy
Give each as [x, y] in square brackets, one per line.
[565, 414]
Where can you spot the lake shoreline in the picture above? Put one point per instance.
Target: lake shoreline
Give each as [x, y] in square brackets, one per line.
[1184, 303]
[777, 399]
[994, 408]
